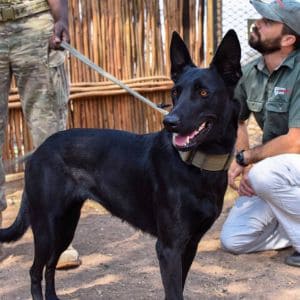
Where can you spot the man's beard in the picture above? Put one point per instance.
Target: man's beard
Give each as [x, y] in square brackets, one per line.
[264, 47]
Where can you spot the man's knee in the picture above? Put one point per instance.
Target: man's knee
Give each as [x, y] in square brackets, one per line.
[270, 175]
[266, 175]
[232, 242]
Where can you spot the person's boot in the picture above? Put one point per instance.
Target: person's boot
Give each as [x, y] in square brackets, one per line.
[293, 260]
[69, 259]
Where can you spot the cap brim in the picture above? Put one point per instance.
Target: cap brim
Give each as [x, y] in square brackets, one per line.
[265, 10]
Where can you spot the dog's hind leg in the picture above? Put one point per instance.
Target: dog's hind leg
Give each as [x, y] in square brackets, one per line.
[63, 236]
[41, 255]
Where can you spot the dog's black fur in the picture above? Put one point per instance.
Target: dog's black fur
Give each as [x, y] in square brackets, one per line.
[138, 178]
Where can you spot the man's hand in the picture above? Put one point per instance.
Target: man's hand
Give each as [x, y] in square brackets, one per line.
[244, 188]
[59, 11]
[234, 171]
[60, 33]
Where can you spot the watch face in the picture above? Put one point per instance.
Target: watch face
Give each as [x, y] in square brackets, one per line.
[240, 158]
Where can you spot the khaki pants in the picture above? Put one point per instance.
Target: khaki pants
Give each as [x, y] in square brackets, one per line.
[40, 78]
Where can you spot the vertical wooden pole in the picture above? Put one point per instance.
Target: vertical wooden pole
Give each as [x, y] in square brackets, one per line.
[210, 32]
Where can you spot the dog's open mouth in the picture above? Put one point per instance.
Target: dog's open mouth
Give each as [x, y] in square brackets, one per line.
[196, 137]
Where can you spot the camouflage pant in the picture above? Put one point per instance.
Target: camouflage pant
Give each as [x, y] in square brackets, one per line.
[40, 78]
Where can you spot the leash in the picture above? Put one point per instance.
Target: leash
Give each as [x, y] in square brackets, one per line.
[102, 72]
[198, 159]
[107, 75]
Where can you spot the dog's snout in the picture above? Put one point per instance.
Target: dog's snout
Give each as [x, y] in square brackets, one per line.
[171, 122]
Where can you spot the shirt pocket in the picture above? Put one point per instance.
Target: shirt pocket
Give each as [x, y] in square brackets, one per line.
[276, 117]
[254, 105]
[278, 104]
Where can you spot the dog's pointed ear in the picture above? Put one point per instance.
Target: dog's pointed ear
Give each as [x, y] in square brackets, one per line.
[180, 56]
[227, 59]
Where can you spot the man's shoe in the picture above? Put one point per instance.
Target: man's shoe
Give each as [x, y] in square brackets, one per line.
[293, 260]
[69, 259]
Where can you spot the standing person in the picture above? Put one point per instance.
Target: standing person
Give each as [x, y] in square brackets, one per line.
[267, 213]
[30, 35]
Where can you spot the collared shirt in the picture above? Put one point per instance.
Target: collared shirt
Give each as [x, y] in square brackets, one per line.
[274, 98]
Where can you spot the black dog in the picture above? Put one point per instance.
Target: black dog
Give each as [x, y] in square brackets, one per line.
[170, 183]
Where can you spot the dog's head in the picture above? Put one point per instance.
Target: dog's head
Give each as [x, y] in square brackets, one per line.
[203, 105]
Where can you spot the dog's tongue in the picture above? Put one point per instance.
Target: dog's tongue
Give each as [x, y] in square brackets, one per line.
[182, 140]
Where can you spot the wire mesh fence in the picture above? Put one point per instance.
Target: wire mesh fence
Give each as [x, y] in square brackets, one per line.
[239, 15]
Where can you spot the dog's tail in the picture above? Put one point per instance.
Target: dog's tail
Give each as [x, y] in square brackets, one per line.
[20, 225]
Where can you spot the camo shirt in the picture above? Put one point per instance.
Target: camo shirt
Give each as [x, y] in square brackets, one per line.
[274, 99]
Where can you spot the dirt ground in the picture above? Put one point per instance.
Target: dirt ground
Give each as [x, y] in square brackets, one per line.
[119, 262]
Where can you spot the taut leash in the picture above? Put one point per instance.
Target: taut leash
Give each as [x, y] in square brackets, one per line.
[107, 75]
[102, 72]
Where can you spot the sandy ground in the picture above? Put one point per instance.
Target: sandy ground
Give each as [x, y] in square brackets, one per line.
[119, 262]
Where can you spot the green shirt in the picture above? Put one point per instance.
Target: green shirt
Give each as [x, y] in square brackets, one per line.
[273, 98]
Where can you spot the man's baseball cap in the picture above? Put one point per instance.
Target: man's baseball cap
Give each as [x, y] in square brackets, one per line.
[284, 11]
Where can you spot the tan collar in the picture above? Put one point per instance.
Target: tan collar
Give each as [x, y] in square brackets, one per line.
[209, 162]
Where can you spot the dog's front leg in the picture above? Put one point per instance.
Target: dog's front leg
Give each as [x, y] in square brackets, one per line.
[171, 270]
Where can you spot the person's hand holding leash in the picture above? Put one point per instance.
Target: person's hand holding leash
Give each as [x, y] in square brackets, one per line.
[59, 11]
[60, 33]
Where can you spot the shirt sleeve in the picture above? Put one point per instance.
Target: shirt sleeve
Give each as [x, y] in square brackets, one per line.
[294, 110]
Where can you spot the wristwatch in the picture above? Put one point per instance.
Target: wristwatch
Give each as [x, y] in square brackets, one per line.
[240, 159]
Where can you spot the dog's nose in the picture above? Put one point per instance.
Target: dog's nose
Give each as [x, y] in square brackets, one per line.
[171, 122]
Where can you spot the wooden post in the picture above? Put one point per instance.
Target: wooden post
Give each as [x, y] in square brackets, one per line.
[186, 21]
[210, 32]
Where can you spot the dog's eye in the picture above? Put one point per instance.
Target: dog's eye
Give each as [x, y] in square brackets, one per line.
[203, 93]
[174, 92]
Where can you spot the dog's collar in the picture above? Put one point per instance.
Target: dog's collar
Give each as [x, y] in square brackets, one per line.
[209, 162]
